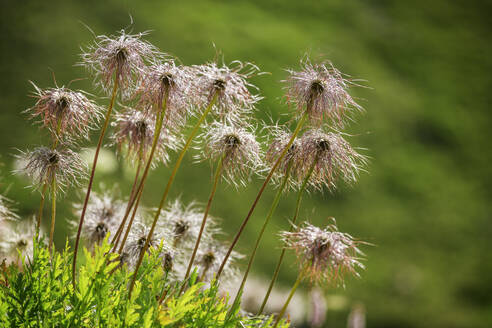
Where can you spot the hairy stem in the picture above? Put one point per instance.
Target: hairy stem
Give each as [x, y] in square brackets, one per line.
[275, 202]
[91, 179]
[294, 219]
[168, 187]
[53, 212]
[262, 189]
[217, 175]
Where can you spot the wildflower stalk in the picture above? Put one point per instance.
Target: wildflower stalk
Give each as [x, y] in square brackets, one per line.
[168, 186]
[294, 219]
[262, 189]
[218, 172]
[130, 223]
[275, 202]
[159, 122]
[93, 170]
[291, 294]
[53, 212]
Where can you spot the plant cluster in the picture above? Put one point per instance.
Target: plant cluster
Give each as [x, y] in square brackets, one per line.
[163, 266]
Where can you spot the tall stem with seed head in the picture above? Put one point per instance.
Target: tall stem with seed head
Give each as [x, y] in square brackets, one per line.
[53, 212]
[91, 179]
[168, 186]
[275, 202]
[294, 219]
[218, 172]
[262, 189]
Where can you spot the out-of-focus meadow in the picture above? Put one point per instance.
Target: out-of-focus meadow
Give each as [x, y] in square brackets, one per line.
[425, 200]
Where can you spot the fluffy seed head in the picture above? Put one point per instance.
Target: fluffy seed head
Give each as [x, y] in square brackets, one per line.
[44, 164]
[65, 112]
[136, 241]
[6, 213]
[210, 256]
[325, 255]
[333, 158]
[240, 152]
[17, 236]
[134, 130]
[234, 99]
[322, 89]
[124, 55]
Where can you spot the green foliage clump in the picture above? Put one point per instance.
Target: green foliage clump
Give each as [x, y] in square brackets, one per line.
[39, 293]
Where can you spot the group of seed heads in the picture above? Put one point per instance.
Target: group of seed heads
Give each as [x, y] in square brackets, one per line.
[154, 96]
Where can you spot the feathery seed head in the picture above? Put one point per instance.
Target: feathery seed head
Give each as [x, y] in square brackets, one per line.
[322, 90]
[6, 213]
[333, 158]
[135, 131]
[136, 242]
[123, 54]
[18, 236]
[210, 256]
[43, 165]
[65, 112]
[325, 254]
[237, 147]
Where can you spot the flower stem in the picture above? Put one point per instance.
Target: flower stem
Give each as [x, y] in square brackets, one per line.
[293, 290]
[53, 212]
[275, 202]
[41, 207]
[130, 223]
[282, 254]
[168, 187]
[262, 189]
[217, 175]
[91, 179]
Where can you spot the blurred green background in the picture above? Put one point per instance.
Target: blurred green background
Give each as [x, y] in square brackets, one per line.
[425, 201]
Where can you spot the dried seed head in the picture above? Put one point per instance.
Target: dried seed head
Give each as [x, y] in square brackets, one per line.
[177, 80]
[65, 112]
[6, 213]
[17, 236]
[43, 165]
[237, 147]
[136, 241]
[326, 255]
[122, 54]
[231, 86]
[322, 90]
[135, 132]
[103, 215]
[333, 158]
[210, 256]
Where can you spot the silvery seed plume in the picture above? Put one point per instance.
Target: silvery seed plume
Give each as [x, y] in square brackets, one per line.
[136, 241]
[335, 159]
[231, 84]
[6, 213]
[103, 215]
[279, 141]
[323, 90]
[237, 147]
[183, 222]
[17, 236]
[134, 130]
[178, 80]
[43, 164]
[326, 254]
[123, 54]
[70, 112]
[210, 256]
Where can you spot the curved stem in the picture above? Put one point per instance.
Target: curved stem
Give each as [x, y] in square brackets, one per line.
[275, 202]
[158, 127]
[262, 189]
[291, 294]
[217, 175]
[130, 223]
[282, 254]
[53, 212]
[168, 187]
[91, 179]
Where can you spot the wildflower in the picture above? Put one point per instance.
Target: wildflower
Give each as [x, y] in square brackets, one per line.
[231, 86]
[124, 55]
[135, 130]
[209, 258]
[236, 146]
[173, 79]
[103, 214]
[324, 254]
[6, 213]
[332, 157]
[183, 223]
[65, 112]
[321, 90]
[136, 242]
[43, 165]
[18, 237]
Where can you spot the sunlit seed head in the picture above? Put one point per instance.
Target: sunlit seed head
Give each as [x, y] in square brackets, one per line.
[18, 236]
[209, 258]
[6, 212]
